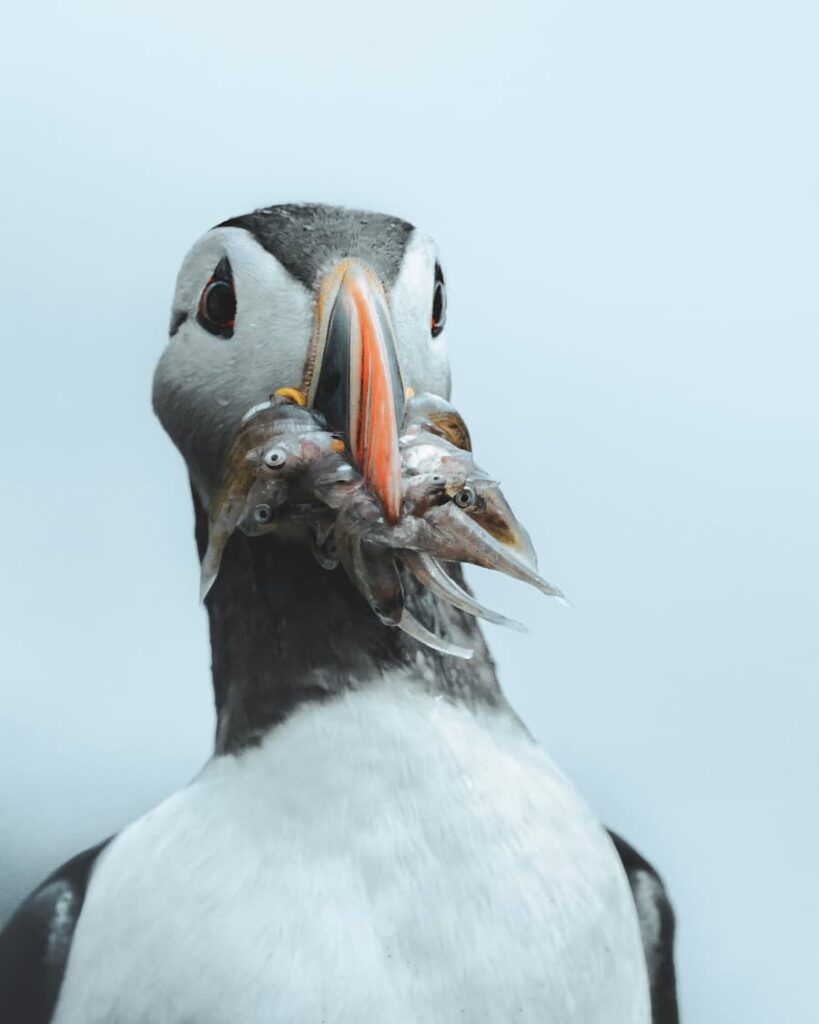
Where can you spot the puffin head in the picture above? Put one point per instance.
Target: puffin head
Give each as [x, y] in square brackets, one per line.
[342, 310]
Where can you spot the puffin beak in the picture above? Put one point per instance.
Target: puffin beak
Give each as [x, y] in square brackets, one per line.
[354, 378]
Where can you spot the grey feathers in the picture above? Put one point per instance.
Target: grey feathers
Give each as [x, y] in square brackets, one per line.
[305, 238]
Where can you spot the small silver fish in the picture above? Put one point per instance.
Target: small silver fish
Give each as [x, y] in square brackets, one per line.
[267, 461]
[284, 467]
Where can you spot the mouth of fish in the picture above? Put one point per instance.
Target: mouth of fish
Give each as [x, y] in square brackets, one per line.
[287, 472]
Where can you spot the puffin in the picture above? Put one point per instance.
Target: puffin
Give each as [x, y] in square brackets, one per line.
[377, 837]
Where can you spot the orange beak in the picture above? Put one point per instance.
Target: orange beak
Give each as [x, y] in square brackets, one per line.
[354, 378]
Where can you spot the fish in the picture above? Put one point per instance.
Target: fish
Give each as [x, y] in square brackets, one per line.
[284, 467]
[431, 414]
[264, 472]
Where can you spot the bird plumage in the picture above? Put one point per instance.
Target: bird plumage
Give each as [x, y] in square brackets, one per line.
[387, 856]
[377, 836]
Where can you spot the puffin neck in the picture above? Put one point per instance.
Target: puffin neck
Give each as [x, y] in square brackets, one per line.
[285, 631]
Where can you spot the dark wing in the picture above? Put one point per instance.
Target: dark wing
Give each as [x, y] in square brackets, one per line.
[657, 927]
[34, 944]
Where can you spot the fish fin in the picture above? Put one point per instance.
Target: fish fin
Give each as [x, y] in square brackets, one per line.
[373, 571]
[217, 539]
[431, 573]
[459, 538]
[410, 625]
[226, 508]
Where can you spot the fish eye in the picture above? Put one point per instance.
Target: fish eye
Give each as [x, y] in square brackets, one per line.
[262, 513]
[438, 302]
[465, 498]
[275, 458]
[438, 480]
[217, 303]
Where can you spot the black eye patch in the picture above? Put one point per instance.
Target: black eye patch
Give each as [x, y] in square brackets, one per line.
[438, 302]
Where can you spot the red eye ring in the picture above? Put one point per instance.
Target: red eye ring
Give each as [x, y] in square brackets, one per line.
[217, 303]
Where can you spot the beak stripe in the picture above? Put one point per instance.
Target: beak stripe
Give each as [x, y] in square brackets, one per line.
[374, 435]
[353, 377]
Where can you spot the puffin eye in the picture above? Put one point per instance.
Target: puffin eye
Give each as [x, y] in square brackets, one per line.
[217, 304]
[275, 458]
[465, 498]
[438, 302]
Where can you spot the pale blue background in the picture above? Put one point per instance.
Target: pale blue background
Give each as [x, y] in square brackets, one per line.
[626, 199]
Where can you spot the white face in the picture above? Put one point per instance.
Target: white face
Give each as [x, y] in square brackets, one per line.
[206, 381]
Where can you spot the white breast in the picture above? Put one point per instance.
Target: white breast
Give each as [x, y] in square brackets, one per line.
[384, 857]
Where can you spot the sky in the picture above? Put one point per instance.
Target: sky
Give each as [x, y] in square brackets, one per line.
[626, 197]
